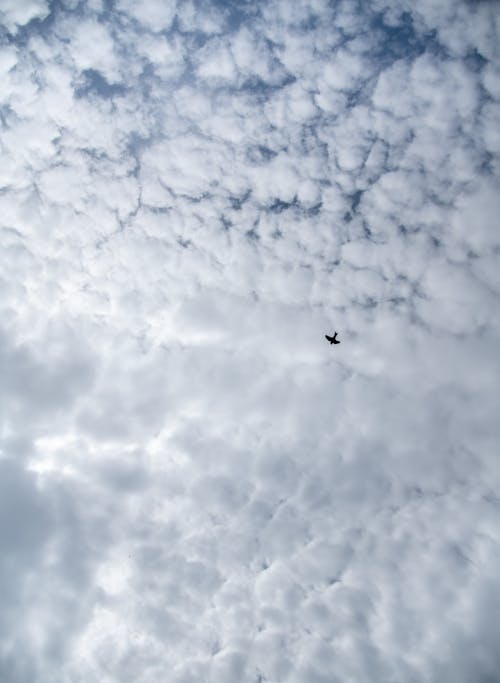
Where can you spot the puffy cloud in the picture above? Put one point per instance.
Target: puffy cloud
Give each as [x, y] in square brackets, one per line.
[14, 15]
[195, 485]
[92, 47]
[154, 15]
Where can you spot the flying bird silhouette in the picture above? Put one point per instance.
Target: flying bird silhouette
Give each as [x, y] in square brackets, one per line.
[333, 340]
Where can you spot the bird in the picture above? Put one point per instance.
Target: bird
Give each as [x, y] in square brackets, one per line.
[333, 340]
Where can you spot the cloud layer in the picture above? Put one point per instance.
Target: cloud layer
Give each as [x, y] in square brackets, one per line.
[194, 485]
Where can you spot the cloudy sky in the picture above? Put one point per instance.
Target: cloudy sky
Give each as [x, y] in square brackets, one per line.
[194, 485]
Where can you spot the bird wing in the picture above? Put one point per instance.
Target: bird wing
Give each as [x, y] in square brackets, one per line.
[329, 338]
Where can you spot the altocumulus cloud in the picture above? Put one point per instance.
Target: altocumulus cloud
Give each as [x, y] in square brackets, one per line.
[194, 486]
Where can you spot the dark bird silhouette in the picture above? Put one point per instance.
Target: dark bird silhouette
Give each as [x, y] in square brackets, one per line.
[333, 340]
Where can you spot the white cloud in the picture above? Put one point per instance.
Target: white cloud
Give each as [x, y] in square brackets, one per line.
[155, 15]
[251, 55]
[209, 19]
[14, 15]
[196, 486]
[216, 63]
[8, 59]
[491, 81]
[92, 47]
[168, 59]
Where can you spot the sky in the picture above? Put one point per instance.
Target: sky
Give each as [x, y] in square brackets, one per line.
[194, 485]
